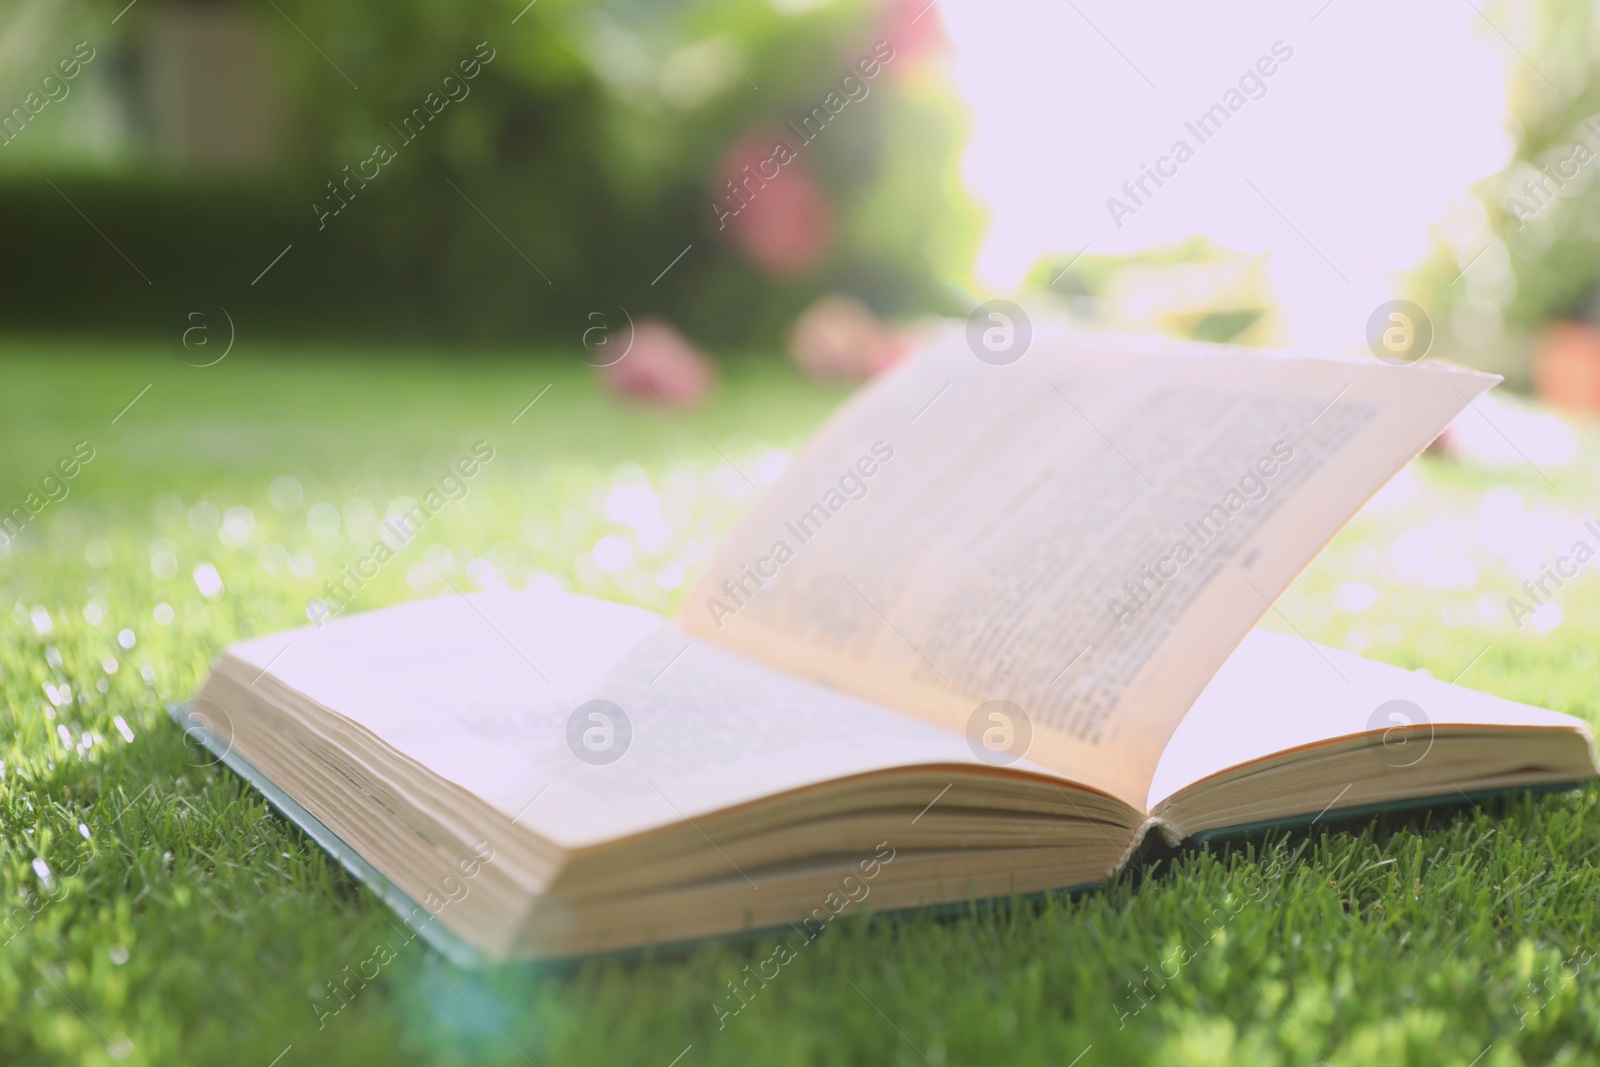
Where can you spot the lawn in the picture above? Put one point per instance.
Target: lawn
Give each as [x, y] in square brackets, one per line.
[157, 911]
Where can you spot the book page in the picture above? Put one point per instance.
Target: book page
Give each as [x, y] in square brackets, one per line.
[1278, 693]
[496, 693]
[1084, 534]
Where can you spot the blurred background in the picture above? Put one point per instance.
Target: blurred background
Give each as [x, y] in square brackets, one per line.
[537, 161]
[491, 172]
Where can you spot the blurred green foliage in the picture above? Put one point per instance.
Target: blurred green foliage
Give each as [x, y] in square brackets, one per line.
[1542, 242]
[1555, 254]
[582, 162]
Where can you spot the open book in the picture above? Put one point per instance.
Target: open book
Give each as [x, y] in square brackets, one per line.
[992, 627]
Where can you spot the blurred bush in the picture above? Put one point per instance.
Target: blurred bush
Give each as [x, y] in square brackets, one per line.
[1194, 289]
[1526, 252]
[567, 174]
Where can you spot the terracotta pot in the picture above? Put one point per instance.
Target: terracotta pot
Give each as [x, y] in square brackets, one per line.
[1566, 366]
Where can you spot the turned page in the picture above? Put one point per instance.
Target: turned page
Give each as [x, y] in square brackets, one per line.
[1082, 535]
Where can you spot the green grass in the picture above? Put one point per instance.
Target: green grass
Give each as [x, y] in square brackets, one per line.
[183, 922]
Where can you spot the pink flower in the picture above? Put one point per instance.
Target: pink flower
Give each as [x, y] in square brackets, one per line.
[913, 29]
[838, 339]
[770, 204]
[661, 365]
